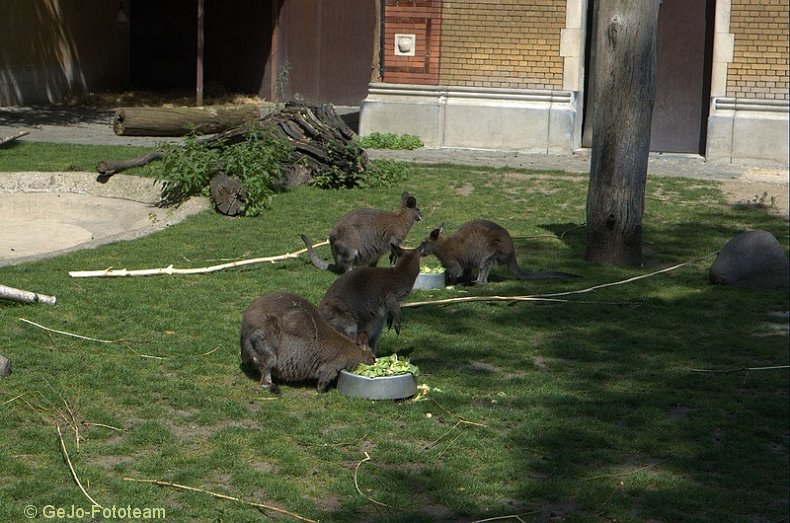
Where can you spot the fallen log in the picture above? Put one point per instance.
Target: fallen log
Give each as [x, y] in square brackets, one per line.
[7, 139]
[180, 121]
[321, 141]
[108, 168]
[10, 293]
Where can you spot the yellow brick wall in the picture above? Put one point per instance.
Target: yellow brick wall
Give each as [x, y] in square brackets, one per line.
[760, 59]
[502, 43]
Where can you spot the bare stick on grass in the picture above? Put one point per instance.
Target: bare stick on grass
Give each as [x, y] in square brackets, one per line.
[71, 468]
[356, 483]
[220, 496]
[170, 270]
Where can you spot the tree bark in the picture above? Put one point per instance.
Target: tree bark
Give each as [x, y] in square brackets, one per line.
[179, 121]
[625, 79]
[10, 293]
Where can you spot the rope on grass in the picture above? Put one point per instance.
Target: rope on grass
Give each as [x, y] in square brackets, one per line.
[553, 296]
[170, 270]
[221, 496]
[740, 369]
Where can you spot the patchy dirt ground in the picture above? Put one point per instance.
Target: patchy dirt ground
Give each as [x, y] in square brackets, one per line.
[760, 187]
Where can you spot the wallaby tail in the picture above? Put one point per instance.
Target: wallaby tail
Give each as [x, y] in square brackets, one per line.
[550, 275]
[318, 262]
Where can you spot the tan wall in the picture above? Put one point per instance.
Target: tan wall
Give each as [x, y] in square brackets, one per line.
[760, 57]
[502, 43]
[51, 50]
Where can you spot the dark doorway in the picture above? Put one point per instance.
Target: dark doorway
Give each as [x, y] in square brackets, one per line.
[163, 44]
[683, 68]
[320, 50]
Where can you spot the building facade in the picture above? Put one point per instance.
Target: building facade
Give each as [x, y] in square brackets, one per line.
[515, 74]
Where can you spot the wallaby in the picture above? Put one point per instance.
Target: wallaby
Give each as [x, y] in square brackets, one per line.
[284, 337]
[366, 298]
[363, 236]
[480, 245]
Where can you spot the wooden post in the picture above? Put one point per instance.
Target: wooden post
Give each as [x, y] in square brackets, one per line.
[199, 80]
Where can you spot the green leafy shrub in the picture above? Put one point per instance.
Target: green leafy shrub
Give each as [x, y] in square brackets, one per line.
[186, 170]
[257, 162]
[390, 141]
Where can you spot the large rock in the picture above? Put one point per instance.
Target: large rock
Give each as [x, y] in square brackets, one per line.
[752, 259]
[5, 366]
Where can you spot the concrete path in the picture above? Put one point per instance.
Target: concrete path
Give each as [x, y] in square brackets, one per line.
[43, 214]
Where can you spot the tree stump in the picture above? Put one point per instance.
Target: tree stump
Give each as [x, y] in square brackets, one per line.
[228, 193]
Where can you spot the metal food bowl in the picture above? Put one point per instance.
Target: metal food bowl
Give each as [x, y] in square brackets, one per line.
[379, 388]
[426, 281]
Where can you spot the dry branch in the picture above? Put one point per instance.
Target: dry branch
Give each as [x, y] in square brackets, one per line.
[170, 270]
[13, 137]
[220, 496]
[71, 468]
[10, 293]
[356, 484]
[551, 297]
[64, 332]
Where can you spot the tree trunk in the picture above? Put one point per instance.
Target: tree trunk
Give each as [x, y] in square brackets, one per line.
[180, 121]
[625, 79]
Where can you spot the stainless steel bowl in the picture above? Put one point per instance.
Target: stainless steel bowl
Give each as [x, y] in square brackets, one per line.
[379, 388]
[427, 281]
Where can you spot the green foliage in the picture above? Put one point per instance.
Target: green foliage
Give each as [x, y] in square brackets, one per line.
[186, 170]
[378, 140]
[257, 162]
[387, 366]
[385, 173]
[345, 171]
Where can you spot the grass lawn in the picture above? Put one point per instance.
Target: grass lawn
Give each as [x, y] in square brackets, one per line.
[581, 411]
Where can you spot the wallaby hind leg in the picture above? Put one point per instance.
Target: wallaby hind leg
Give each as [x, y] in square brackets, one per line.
[261, 349]
[485, 269]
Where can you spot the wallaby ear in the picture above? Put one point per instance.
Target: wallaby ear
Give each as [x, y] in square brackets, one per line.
[435, 234]
[362, 339]
[411, 202]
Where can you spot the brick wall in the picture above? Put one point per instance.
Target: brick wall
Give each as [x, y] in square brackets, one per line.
[502, 43]
[760, 59]
[423, 19]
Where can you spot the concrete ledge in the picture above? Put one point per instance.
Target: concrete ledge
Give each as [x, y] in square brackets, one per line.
[512, 119]
[44, 214]
[747, 130]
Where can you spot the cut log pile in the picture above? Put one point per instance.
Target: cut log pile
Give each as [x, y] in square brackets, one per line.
[320, 138]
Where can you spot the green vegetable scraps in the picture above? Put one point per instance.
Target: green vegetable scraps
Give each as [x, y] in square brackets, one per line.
[387, 366]
[431, 270]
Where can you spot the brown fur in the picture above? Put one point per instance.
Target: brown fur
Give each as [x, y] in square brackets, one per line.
[284, 337]
[480, 245]
[364, 299]
[363, 236]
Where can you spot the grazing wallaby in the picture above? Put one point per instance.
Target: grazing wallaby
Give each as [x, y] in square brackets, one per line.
[363, 236]
[364, 299]
[480, 245]
[284, 337]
